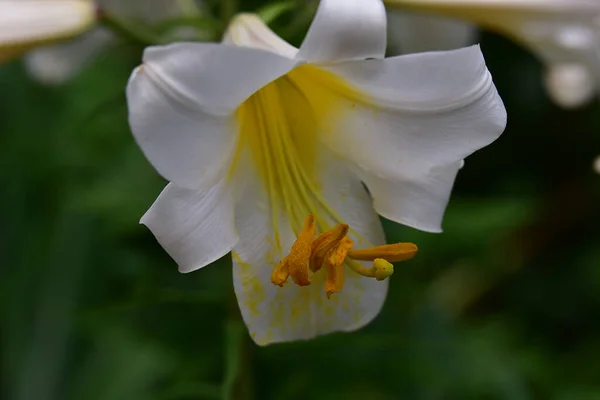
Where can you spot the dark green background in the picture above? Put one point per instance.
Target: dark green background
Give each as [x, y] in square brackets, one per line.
[505, 304]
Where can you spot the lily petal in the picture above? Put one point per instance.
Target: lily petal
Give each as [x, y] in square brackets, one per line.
[280, 314]
[418, 202]
[412, 120]
[346, 30]
[24, 24]
[249, 30]
[196, 228]
[417, 33]
[181, 105]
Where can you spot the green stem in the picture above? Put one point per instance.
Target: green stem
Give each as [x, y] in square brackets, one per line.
[237, 382]
[128, 29]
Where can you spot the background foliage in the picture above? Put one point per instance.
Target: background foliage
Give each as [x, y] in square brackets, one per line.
[503, 305]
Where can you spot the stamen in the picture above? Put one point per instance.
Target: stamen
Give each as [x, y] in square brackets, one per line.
[332, 248]
[324, 244]
[334, 281]
[389, 252]
[296, 263]
[338, 256]
[382, 257]
[280, 273]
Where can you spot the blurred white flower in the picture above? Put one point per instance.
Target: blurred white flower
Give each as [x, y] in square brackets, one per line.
[570, 84]
[24, 24]
[411, 32]
[597, 165]
[565, 34]
[56, 64]
[267, 147]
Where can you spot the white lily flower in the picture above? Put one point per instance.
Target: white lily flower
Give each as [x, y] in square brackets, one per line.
[597, 165]
[24, 24]
[267, 147]
[411, 32]
[56, 64]
[565, 34]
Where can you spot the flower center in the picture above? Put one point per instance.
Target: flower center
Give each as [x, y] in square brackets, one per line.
[331, 250]
[280, 125]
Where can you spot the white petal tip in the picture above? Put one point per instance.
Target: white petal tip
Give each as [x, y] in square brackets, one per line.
[420, 227]
[249, 30]
[429, 228]
[344, 30]
[188, 269]
[27, 23]
[137, 70]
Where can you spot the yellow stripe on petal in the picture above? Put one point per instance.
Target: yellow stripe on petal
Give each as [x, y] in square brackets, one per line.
[280, 124]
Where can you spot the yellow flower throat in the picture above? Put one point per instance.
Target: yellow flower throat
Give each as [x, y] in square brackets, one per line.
[280, 125]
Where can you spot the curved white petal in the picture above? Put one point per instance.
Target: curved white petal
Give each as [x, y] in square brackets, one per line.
[187, 146]
[24, 23]
[249, 30]
[181, 104]
[346, 30]
[417, 33]
[570, 85]
[558, 31]
[414, 116]
[54, 65]
[415, 201]
[196, 228]
[275, 314]
[213, 77]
